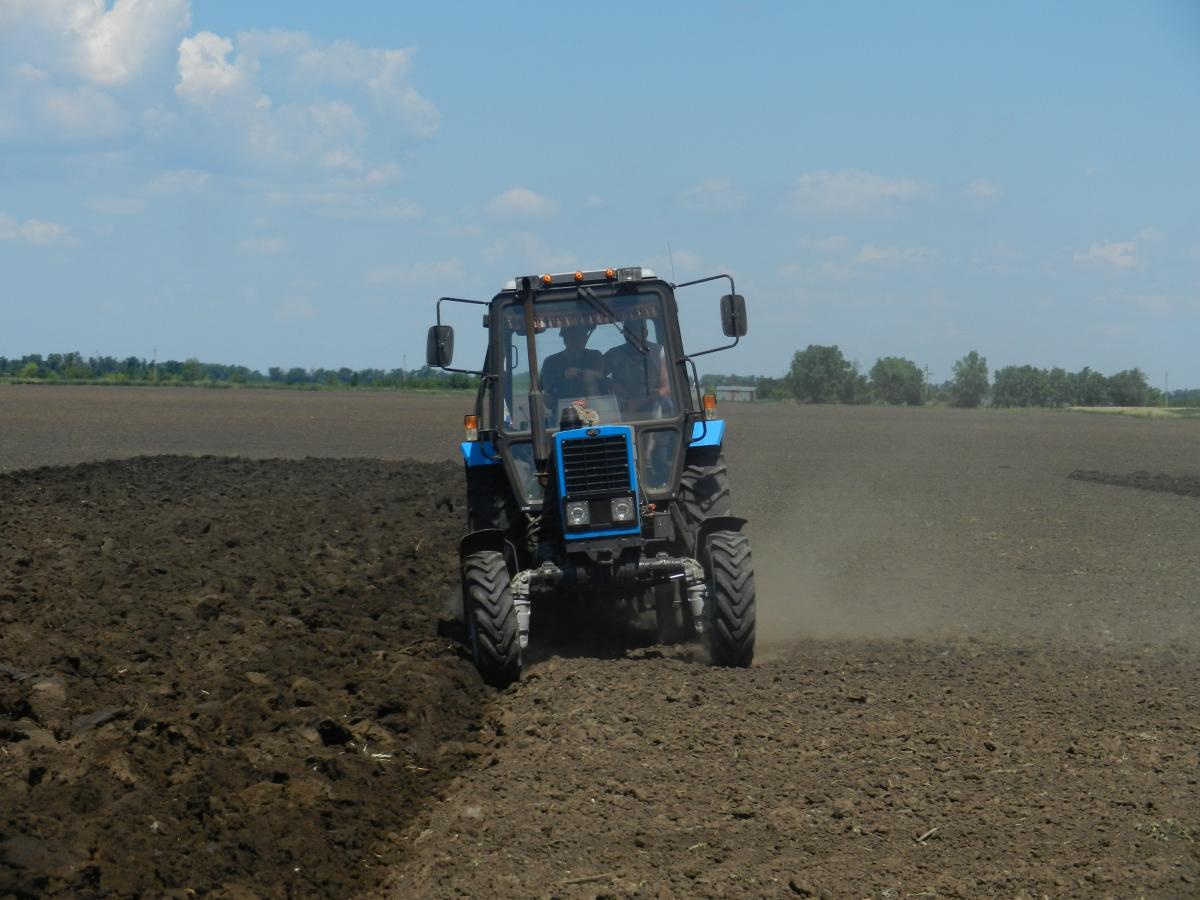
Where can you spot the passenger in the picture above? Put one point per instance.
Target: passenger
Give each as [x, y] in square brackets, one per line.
[574, 372]
[638, 369]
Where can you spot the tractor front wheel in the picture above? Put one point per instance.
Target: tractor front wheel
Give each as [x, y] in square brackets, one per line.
[491, 618]
[729, 613]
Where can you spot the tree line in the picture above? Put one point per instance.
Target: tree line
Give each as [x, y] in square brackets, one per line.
[818, 374]
[59, 367]
[822, 374]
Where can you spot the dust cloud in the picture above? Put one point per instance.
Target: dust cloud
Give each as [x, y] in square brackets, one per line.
[876, 523]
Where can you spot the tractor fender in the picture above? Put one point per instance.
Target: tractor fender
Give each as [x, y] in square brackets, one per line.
[716, 523]
[489, 539]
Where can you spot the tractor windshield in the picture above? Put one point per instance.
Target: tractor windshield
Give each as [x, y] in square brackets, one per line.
[601, 361]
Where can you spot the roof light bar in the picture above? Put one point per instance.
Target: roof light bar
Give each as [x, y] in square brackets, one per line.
[583, 276]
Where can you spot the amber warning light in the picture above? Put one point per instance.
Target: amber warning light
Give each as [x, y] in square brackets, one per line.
[710, 406]
[471, 427]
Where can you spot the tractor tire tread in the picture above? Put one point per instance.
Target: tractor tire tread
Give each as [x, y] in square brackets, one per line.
[704, 486]
[491, 618]
[732, 619]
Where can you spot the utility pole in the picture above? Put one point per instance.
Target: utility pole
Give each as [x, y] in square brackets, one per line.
[1166, 386]
[926, 385]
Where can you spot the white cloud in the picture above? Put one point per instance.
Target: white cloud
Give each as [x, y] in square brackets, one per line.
[205, 75]
[524, 250]
[686, 260]
[83, 70]
[263, 246]
[1115, 254]
[117, 206]
[982, 189]
[38, 232]
[376, 177]
[334, 101]
[714, 195]
[294, 309]
[103, 45]
[80, 112]
[382, 74]
[343, 160]
[179, 181]
[871, 255]
[834, 243]
[31, 231]
[415, 273]
[353, 173]
[826, 270]
[851, 191]
[1153, 303]
[73, 68]
[116, 43]
[520, 202]
[348, 205]
[27, 72]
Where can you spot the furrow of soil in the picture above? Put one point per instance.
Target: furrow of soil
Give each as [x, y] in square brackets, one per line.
[834, 768]
[220, 675]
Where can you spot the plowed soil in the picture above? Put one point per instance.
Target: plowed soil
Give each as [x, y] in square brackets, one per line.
[219, 676]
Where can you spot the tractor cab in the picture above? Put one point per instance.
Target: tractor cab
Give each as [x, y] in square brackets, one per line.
[605, 356]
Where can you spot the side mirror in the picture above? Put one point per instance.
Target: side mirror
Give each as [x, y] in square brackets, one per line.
[733, 315]
[439, 346]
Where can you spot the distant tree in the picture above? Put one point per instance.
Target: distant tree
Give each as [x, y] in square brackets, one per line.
[818, 373]
[75, 368]
[1020, 386]
[897, 381]
[970, 383]
[275, 373]
[1058, 387]
[190, 370]
[1128, 388]
[1089, 388]
[855, 386]
[30, 370]
[774, 389]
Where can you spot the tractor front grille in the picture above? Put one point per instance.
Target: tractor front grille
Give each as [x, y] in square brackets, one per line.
[596, 466]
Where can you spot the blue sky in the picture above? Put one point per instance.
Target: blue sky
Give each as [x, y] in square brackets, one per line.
[294, 183]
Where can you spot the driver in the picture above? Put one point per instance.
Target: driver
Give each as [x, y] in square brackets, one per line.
[638, 370]
[574, 371]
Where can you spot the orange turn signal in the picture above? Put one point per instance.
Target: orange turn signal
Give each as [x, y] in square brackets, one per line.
[471, 427]
[546, 279]
[710, 406]
[579, 276]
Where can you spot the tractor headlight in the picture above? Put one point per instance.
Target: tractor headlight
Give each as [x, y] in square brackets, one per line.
[578, 514]
[623, 509]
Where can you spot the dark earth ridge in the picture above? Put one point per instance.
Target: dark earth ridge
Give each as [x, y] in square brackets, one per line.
[220, 674]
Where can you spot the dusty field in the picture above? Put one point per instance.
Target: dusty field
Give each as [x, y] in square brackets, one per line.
[977, 675]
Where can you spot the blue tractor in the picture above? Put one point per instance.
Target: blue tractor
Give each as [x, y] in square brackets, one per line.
[594, 468]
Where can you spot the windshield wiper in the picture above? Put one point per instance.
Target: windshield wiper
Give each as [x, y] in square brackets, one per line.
[606, 310]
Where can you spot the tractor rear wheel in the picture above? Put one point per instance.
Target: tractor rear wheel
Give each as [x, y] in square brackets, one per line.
[729, 612]
[703, 488]
[490, 503]
[491, 618]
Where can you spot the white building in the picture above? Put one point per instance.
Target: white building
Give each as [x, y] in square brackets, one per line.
[736, 393]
